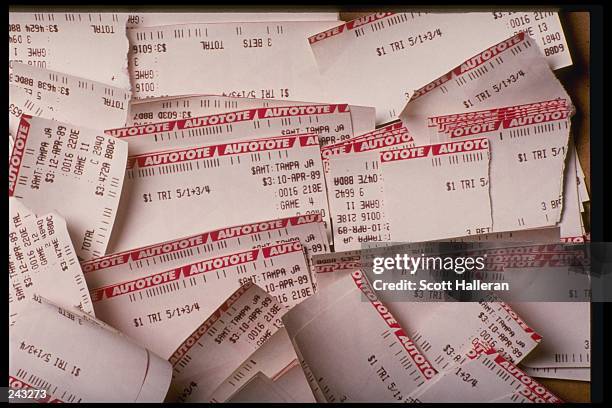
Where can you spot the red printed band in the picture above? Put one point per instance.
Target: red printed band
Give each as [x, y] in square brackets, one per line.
[471, 63]
[334, 267]
[435, 150]
[17, 384]
[382, 141]
[531, 389]
[419, 360]
[186, 345]
[534, 336]
[227, 149]
[196, 240]
[351, 25]
[19, 145]
[284, 111]
[205, 266]
[281, 249]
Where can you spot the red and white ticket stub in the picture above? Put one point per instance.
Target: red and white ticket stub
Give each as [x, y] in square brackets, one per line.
[273, 358]
[308, 229]
[510, 73]
[151, 110]
[65, 98]
[280, 176]
[75, 171]
[243, 323]
[485, 376]
[437, 191]
[42, 261]
[382, 45]
[260, 388]
[330, 122]
[89, 45]
[356, 188]
[531, 148]
[241, 59]
[157, 19]
[161, 309]
[382, 364]
[105, 367]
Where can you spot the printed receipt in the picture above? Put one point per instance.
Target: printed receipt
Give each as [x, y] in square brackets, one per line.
[532, 148]
[330, 122]
[105, 367]
[243, 323]
[280, 176]
[88, 45]
[151, 110]
[161, 309]
[309, 230]
[437, 191]
[382, 45]
[270, 60]
[383, 362]
[42, 261]
[65, 98]
[510, 73]
[75, 171]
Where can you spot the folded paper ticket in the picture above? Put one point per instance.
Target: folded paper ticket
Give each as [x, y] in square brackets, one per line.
[251, 59]
[97, 364]
[65, 98]
[245, 321]
[277, 176]
[261, 389]
[42, 261]
[383, 362]
[510, 73]
[75, 171]
[159, 310]
[404, 51]
[151, 110]
[88, 45]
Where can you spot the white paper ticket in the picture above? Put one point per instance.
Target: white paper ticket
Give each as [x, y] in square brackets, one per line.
[105, 367]
[145, 111]
[309, 230]
[244, 322]
[562, 373]
[485, 376]
[239, 59]
[148, 19]
[383, 362]
[42, 261]
[443, 331]
[510, 73]
[89, 45]
[356, 188]
[295, 383]
[330, 122]
[437, 191]
[66, 98]
[161, 309]
[533, 149]
[570, 224]
[566, 329]
[382, 45]
[273, 358]
[75, 171]
[280, 176]
[260, 388]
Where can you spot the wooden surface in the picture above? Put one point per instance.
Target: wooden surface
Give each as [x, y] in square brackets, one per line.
[575, 79]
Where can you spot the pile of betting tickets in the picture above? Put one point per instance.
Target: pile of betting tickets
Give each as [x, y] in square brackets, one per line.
[190, 192]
